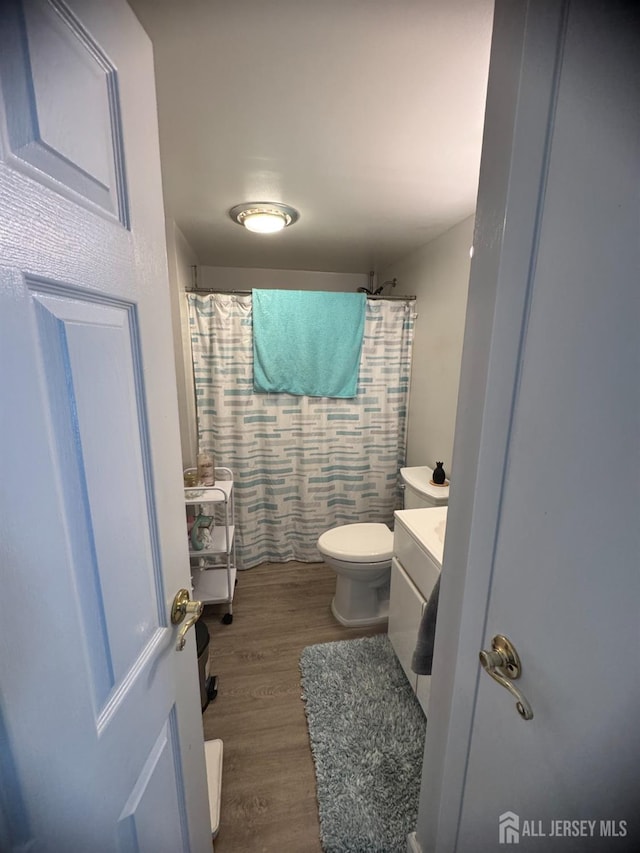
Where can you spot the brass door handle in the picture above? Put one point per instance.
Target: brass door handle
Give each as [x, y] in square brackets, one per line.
[502, 663]
[182, 605]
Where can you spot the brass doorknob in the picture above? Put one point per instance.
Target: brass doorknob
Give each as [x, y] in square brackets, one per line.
[182, 605]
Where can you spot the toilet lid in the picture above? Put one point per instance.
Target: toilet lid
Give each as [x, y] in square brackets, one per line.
[358, 543]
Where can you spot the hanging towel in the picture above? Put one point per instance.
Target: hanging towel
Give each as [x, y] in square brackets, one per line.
[307, 342]
[423, 655]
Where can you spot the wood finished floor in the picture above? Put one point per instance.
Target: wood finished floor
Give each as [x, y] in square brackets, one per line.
[268, 781]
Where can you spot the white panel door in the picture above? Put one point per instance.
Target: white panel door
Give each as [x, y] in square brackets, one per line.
[100, 728]
[543, 540]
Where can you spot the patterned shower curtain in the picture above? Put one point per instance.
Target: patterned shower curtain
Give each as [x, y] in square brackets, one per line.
[301, 464]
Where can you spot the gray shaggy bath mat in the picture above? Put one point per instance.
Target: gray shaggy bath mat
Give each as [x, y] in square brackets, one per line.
[367, 738]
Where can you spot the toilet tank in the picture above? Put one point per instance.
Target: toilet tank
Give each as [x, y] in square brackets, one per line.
[419, 491]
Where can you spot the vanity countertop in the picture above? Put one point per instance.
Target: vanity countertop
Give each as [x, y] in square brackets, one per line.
[427, 526]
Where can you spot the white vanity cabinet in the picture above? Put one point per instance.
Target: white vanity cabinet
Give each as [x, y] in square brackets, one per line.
[213, 568]
[418, 543]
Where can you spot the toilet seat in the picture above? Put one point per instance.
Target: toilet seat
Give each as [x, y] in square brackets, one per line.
[369, 542]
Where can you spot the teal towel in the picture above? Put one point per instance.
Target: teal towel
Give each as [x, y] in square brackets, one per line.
[307, 342]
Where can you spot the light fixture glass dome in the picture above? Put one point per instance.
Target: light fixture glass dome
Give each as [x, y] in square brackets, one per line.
[264, 223]
[263, 217]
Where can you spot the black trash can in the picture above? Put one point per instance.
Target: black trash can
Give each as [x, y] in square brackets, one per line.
[202, 646]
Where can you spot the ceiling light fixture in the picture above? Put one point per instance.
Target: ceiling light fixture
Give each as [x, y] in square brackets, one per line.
[264, 217]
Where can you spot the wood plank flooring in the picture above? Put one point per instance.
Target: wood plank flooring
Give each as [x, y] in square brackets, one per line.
[268, 781]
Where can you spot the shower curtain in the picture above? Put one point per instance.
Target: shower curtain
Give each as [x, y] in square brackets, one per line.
[301, 464]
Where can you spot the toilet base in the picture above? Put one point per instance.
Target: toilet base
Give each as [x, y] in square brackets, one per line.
[381, 619]
[358, 603]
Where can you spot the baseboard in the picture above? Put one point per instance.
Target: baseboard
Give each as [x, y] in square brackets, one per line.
[412, 844]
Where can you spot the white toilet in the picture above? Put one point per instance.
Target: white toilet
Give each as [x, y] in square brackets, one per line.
[360, 554]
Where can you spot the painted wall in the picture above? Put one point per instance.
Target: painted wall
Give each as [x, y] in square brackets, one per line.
[438, 275]
[180, 260]
[240, 278]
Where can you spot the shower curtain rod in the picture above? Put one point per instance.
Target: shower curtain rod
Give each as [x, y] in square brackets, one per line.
[248, 293]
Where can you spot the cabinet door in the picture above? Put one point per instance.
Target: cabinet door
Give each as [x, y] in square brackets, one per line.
[405, 610]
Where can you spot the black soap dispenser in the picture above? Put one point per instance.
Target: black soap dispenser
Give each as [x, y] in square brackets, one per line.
[439, 477]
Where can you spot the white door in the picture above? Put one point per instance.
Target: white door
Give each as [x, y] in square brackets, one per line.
[543, 538]
[100, 728]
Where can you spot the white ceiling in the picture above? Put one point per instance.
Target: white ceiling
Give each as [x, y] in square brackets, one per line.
[365, 115]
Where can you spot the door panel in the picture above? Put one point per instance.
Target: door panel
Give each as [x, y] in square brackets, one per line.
[90, 373]
[100, 723]
[568, 540]
[55, 79]
[141, 826]
[543, 544]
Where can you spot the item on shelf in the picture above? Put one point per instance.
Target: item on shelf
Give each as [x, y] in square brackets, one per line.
[190, 477]
[194, 493]
[200, 534]
[206, 469]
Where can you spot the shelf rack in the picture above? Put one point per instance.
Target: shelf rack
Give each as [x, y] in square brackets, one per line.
[213, 570]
